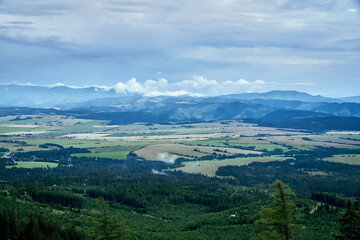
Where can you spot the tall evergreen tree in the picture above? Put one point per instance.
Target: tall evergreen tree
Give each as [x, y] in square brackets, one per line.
[4, 226]
[350, 224]
[14, 228]
[32, 230]
[107, 228]
[357, 203]
[276, 219]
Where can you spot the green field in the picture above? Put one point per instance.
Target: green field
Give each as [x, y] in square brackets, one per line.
[7, 129]
[114, 155]
[353, 159]
[159, 200]
[33, 165]
[261, 146]
[80, 127]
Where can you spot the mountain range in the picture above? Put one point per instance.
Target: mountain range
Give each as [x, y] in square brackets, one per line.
[290, 109]
[61, 96]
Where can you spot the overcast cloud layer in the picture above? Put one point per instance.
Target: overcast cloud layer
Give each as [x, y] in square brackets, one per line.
[176, 47]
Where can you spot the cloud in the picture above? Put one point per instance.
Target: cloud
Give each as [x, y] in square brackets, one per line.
[88, 42]
[35, 8]
[58, 84]
[20, 22]
[131, 86]
[197, 86]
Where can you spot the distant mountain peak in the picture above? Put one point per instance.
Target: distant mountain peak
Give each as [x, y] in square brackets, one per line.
[31, 95]
[283, 95]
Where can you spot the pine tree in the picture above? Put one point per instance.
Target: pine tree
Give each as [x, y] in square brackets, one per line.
[4, 226]
[14, 228]
[350, 224]
[107, 228]
[276, 219]
[357, 203]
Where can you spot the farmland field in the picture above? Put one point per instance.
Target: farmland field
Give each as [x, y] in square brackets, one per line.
[152, 152]
[33, 165]
[170, 180]
[114, 155]
[353, 159]
[162, 142]
[209, 168]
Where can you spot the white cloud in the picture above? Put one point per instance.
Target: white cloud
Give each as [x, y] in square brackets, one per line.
[172, 94]
[240, 82]
[197, 86]
[282, 40]
[241, 85]
[131, 86]
[261, 82]
[199, 82]
[151, 85]
[58, 84]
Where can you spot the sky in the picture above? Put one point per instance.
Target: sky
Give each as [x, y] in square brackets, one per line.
[203, 47]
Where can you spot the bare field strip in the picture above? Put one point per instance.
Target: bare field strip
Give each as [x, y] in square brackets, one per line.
[344, 132]
[16, 129]
[152, 152]
[337, 139]
[298, 141]
[209, 168]
[85, 143]
[103, 136]
[251, 130]
[20, 126]
[24, 133]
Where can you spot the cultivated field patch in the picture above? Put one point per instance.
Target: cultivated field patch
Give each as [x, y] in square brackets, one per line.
[209, 168]
[33, 165]
[154, 152]
[114, 155]
[353, 159]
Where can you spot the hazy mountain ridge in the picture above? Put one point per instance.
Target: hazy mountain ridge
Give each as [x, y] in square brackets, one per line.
[313, 121]
[290, 109]
[283, 95]
[70, 97]
[40, 96]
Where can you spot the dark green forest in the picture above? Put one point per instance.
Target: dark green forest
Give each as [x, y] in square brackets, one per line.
[73, 200]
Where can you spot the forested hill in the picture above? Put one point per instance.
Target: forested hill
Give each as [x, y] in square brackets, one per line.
[317, 122]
